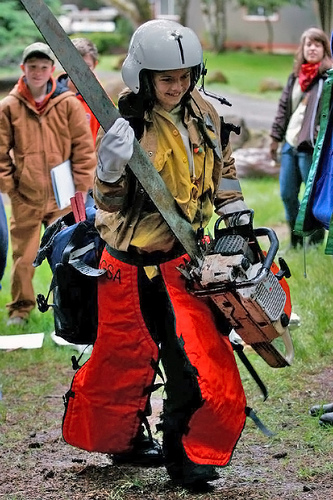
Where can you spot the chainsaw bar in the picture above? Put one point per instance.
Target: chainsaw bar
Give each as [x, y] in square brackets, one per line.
[106, 114]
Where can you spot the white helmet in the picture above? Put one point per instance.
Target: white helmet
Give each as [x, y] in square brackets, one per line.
[161, 45]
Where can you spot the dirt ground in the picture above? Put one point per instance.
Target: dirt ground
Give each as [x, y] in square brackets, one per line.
[35, 463]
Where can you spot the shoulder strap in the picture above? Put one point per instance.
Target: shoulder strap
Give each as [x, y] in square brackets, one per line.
[73, 250]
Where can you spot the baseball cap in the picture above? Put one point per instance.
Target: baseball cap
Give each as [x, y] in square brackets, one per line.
[38, 49]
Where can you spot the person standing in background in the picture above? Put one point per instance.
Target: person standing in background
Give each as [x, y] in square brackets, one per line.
[42, 125]
[296, 123]
[89, 53]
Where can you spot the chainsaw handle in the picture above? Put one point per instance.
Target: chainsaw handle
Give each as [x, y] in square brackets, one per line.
[264, 269]
[274, 244]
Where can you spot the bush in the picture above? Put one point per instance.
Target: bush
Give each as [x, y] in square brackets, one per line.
[106, 43]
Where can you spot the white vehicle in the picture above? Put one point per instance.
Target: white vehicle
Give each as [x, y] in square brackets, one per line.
[74, 20]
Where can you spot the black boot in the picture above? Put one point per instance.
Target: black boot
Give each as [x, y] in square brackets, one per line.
[318, 409]
[146, 452]
[192, 476]
[317, 237]
[326, 419]
[181, 469]
[295, 240]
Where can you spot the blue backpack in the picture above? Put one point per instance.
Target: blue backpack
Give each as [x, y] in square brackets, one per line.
[73, 250]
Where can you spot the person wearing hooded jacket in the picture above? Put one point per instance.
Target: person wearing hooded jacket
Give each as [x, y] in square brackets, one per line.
[296, 123]
[42, 125]
[145, 313]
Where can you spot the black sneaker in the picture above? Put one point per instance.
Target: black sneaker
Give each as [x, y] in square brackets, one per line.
[146, 452]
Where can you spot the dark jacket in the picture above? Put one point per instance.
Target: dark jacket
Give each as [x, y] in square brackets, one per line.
[309, 130]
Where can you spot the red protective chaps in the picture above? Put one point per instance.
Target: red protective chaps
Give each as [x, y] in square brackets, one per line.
[110, 390]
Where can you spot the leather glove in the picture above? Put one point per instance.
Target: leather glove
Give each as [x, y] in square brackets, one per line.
[234, 207]
[115, 151]
[273, 149]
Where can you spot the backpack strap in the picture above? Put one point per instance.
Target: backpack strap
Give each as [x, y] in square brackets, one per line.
[72, 252]
[48, 237]
[252, 414]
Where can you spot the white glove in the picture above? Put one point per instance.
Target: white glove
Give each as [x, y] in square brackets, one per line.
[115, 151]
[233, 207]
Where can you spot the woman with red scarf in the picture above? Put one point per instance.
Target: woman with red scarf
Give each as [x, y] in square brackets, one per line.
[296, 123]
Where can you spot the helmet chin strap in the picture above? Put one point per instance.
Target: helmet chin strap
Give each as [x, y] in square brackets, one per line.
[221, 99]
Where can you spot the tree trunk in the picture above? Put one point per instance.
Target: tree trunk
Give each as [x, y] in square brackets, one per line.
[182, 11]
[270, 37]
[214, 18]
[325, 15]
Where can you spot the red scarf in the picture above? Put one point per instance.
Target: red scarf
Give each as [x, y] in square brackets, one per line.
[307, 74]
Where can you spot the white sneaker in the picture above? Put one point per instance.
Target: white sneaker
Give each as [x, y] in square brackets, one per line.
[294, 321]
[17, 320]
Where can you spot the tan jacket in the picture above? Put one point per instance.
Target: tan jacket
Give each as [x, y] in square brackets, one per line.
[118, 216]
[31, 144]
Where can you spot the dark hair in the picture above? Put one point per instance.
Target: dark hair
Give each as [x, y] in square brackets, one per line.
[317, 35]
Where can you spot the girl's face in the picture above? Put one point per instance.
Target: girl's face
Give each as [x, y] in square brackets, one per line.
[313, 50]
[171, 86]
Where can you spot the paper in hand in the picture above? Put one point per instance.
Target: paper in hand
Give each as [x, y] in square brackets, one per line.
[63, 184]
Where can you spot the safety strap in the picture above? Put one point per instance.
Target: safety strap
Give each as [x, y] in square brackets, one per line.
[252, 414]
[239, 349]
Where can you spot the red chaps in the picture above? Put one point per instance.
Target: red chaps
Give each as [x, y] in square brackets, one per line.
[109, 392]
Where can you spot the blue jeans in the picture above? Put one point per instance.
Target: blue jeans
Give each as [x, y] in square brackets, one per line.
[295, 167]
[3, 239]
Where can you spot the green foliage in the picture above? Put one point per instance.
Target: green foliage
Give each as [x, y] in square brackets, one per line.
[106, 43]
[17, 30]
[270, 6]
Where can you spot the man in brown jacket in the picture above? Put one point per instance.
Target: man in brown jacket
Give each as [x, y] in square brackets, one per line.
[42, 124]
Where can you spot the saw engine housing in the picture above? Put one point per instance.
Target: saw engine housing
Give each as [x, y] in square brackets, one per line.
[248, 288]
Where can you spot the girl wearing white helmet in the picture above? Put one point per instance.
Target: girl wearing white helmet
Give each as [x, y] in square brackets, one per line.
[145, 312]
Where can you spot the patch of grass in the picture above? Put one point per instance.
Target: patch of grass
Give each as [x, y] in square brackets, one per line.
[311, 472]
[245, 71]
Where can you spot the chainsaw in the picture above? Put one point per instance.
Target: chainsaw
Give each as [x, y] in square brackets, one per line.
[246, 286]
